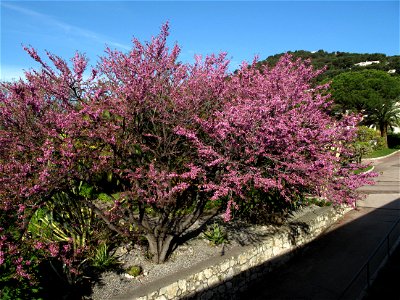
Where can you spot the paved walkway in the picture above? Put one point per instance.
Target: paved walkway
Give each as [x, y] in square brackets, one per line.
[325, 267]
[386, 285]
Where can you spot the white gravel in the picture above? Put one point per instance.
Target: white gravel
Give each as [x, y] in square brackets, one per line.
[112, 284]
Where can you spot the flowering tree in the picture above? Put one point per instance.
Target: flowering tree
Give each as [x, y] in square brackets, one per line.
[148, 96]
[275, 135]
[156, 139]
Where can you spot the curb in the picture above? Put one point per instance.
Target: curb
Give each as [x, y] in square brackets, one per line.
[368, 171]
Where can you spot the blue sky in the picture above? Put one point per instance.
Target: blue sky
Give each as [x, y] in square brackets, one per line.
[242, 29]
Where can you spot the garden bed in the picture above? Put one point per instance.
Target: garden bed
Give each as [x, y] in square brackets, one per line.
[197, 254]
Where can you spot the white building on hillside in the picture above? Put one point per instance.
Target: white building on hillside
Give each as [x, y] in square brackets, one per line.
[367, 63]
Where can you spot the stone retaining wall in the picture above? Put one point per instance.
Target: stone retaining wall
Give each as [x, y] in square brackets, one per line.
[222, 277]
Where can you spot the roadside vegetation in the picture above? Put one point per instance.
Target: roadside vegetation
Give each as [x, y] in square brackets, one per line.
[381, 153]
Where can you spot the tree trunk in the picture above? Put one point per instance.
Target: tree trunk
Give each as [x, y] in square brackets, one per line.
[383, 127]
[159, 246]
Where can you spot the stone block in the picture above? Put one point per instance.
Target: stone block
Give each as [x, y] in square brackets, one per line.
[232, 262]
[225, 266]
[243, 268]
[213, 280]
[170, 291]
[182, 285]
[153, 295]
[242, 258]
[208, 273]
[230, 274]
[200, 276]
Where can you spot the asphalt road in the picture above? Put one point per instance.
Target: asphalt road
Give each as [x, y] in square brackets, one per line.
[325, 267]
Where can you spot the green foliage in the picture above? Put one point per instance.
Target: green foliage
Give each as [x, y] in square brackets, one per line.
[66, 220]
[381, 153]
[103, 197]
[215, 234]
[63, 220]
[364, 90]
[372, 93]
[14, 289]
[213, 204]
[104, 258]
[267, 207]
[22, 288]
[316, 201]
[363, 170]
[370, 135]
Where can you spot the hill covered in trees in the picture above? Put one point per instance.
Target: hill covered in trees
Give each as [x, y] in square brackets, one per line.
[339, 62]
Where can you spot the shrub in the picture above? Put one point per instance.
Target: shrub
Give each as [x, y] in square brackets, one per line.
[367, 141]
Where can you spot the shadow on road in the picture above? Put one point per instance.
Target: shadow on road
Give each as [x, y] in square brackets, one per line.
[323, 268]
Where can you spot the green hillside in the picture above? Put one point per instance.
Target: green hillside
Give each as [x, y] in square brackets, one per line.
[339, 62]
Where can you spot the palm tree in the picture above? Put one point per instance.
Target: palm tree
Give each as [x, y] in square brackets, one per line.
[384, 116]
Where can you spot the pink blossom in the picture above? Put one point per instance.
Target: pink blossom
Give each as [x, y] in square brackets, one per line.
[53, 250]
[39, 245]
[21, 208]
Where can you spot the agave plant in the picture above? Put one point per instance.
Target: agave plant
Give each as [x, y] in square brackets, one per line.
[215, 234]
[63, 220]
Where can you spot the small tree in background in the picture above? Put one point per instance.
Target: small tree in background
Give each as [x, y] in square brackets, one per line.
[153, 140]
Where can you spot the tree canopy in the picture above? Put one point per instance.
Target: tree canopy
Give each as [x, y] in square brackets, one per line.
[373, 93]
